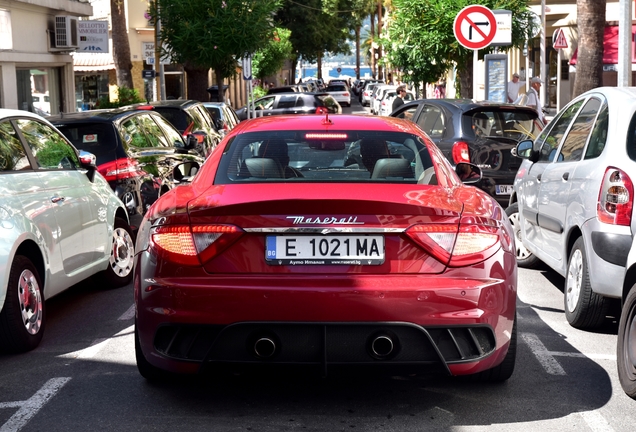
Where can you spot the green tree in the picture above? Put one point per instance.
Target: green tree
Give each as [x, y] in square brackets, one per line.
[318, 27]
[271, 58]
[121, 45]
[420, 39]
[204, 34]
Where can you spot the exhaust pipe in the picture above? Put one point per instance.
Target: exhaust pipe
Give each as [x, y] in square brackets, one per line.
[382, 346]
[264, 347]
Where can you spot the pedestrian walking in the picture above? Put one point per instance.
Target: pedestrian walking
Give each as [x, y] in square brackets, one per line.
[533, 97]
[513, 88]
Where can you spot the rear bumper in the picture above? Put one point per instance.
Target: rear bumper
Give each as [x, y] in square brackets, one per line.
[447, 323]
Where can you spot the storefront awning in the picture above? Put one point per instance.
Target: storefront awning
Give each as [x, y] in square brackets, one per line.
[610, 47]
[93, 62]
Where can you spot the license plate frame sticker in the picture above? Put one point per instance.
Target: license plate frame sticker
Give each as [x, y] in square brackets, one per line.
[503, 189]
[324, 249]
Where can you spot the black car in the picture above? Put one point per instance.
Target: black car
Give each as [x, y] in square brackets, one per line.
[189, 117]
[482, 133]
[293, 103]
[139, 152]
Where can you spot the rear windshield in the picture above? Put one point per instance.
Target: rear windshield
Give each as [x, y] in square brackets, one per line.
[336, 88]
[342, 157]
[516, 125]
[96, 138]
[176, 117]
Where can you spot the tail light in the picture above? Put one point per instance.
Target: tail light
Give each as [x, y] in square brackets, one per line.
[460, 246]
[119, 169]
[193, 246]
[321, 110]
[616, 198]
[461, 152]
[345, 94]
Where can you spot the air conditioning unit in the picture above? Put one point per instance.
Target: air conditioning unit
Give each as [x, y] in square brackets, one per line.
[66, 32]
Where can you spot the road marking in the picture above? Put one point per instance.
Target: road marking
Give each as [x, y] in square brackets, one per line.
[596, 421]
[546, 359]
[30, 407]
[129, 314]
[581, 355]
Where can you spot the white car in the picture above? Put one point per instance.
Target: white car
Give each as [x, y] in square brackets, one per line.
[60, 223]
[377, 96]
[340, 92]
[386, 103]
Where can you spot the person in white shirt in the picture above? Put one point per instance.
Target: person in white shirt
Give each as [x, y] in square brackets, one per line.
[534, 101]
[513, 87]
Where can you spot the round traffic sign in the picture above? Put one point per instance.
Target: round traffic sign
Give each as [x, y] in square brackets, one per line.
[475, 27]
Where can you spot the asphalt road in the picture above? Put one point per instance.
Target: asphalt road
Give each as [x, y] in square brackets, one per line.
[83, 377]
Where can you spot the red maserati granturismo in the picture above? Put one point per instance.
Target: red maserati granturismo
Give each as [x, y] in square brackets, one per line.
[327, 240]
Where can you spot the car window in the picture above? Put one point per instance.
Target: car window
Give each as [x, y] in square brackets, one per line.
[200, 122]
[550, 138]
[574, 142]
[313, 156]
[431, 120]
[178, 118]
[12, 154]
[287, 101]
[336, 88]
[96, 138]
[172, 135]
[599, 135]
[133, 134]
[154, 135]
[47, 145]
[265, 103]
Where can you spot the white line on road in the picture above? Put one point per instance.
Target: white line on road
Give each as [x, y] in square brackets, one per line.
[548, 361]
[581, 355]
[87, 353]
[596, 421]
[129, 314]
[30, 407]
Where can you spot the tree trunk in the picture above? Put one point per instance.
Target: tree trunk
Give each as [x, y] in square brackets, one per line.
[380, 75]
[121, 45]
[591, 26]
[465, 72]
[357, 52]
[197, 83]
[319, 67]
[373, 75]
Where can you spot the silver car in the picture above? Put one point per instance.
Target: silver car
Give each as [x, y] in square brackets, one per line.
[60, 222]
[573, 199]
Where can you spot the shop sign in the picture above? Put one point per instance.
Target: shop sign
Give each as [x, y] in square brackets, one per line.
[93, 36]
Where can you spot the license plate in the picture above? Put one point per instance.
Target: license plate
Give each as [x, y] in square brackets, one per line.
[325, 250]
[503, 189]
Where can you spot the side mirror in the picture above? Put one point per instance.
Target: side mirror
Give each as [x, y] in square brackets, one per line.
[88, 161]
[184, 172]
[468, 173]
[194, 139]
[525, 150]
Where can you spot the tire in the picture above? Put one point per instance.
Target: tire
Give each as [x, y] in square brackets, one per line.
[149, 372]
[584, 309]
[120, 265]
[22, 319]
[525, 258]
[626, 346]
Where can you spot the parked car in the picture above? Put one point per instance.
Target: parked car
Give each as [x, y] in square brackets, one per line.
[386, 103]
[332, 241]
[61, 223]
[378, 93]
[482, 133]
[626, 343]
[139, 153]
[189, 117]
[340, 92]
[224, 117]
[283, 89]
[573, 200]
[292, 103]
[365, 95]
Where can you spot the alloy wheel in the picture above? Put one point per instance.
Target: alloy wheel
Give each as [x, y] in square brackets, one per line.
[30, 300]
[574, 280]
[121, 255]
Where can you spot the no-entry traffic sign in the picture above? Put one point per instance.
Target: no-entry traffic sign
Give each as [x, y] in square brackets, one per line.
[475, 27]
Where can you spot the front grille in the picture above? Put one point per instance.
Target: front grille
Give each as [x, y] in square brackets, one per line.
[325, 343]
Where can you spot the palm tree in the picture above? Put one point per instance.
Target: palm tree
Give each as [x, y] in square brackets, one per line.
[591, 26]
[121, 45]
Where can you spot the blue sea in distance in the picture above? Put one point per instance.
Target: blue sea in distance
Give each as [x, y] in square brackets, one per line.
[309, 72]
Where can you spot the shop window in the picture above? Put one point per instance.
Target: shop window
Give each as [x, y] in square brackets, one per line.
[39, 90]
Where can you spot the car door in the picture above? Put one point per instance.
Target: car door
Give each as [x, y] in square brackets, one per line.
[69, 192]
[432, 120]
[529, 186]
[406, 112]
[562, 182]
[286, 104]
